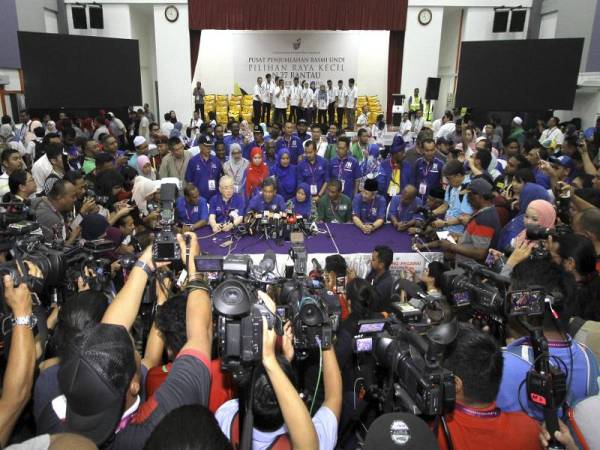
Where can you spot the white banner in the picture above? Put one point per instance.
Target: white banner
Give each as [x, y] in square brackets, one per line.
[312, 56]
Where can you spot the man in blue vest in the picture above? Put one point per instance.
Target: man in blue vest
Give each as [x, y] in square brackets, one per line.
[314, 171]
[204, 170]
[292, 142]
[192, 210]
[395, 173]
[267, 199]
[428, 169]
[345, 168]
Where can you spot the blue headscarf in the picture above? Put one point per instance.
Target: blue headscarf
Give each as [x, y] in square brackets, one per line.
[303, 208]
[531, 192]
[286, 177]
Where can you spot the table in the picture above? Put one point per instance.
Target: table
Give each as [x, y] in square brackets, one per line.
[345, 239]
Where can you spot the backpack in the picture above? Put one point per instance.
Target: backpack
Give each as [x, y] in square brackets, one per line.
[281, 442]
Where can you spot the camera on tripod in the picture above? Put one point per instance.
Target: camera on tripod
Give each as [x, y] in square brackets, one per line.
[165, 246]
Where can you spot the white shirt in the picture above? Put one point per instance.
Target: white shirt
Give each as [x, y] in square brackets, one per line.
[322, 103]
[377, 134]
[40, 171]
[552, 135]
[446, 130]
[280, 98]
[352, 95]
[308, 99]
[4, 184]
[321, 146]
[341, 95]
[405, 127]
[30, 150]
[166, 128]
[418, 124]
[268, 90]
[258, 93]
[331, 93]
[101, 130]
[436, 125]
[363, 120]
[295, 93]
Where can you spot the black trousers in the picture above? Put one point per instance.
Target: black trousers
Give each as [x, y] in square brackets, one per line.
[322, 116]
[256, 111]
[331, 113]
[308, 114]
[279, 116]
[266, 113]
[294, 113]
[340, 117]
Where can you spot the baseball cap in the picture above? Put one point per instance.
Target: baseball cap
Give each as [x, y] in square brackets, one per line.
[139, 140]
[205, 139]
[400, 431]
[302, 121]
[480, 138]
[258, 129]
[480, 186]
[98, 355]
[371, 185]
[562, 160]
[517, 120]
[398, 144]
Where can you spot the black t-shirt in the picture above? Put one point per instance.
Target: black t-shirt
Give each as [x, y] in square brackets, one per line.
[383, 286]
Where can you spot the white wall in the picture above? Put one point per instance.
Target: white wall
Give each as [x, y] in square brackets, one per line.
[586, 106]
[172, 44]
[142, 29]
[215, 70]
[30, 14]
[421, 49]
[447, 69]
[478, 24]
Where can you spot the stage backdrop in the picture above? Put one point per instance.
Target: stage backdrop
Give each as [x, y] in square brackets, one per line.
[229, 57]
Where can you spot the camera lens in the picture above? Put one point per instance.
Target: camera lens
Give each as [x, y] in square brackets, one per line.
[310, 313]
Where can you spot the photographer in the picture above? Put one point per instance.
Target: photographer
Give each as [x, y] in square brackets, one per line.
[20, 365]
[587, 223]
[476, 422]
[101, 376]
[50, 212]
[483, 227]
[380, 276]
[335, 274]
[277, 407]
[22, 186]
[580, 363]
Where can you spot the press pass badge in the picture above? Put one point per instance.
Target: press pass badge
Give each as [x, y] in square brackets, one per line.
[343, 184]
[422, 188]
[393, 190]
[211, 185]
[313, 189]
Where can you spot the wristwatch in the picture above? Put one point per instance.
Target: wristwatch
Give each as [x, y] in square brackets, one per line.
[29, 321]
[142, 265]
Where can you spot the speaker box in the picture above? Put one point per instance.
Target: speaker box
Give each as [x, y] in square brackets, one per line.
[79, 19]
[517, 20]
[500, 21]
[432, 91]
[96, 17]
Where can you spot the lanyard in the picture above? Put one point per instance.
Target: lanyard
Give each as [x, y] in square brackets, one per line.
[334, 212]
[206, 165]
[341, 167]
[476, 413]
[312, 172]
[428, 166]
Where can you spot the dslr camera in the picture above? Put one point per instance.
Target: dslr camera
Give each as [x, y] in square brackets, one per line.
[165, 247]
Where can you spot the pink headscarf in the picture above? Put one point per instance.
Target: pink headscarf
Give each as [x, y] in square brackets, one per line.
[142, 160]
[546, 218]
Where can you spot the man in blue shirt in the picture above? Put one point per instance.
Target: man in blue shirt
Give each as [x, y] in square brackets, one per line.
[456, 206]
[204, 170]
[192, 210]
[302, 130]
[428, 169]
[345, 168]
[578, 362]
[368, 208]
[404, 209]
[259, 141]
[226, 208]
[234, 137]
[292, 142]
[267, 199]
[395, 173]
[314, 171]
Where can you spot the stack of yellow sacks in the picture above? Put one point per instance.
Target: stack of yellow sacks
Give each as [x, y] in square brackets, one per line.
[247, 108]
[209, 104]
[222, 109]
[235, 106]
[374, 108]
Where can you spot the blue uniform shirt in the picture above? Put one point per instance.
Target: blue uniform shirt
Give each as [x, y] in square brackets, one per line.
[456, 207]
[190, 214]
[385, 176]
[315, 174]
[404, 213]
[369, 212]
[221, 208]
[294, 145]
[258, 204]
[427, 175]
[347, 171]
[204, 174]
[231, 139]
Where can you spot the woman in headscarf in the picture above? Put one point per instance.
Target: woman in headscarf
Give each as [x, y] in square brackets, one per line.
[303, 201]
[256, 172]
[530, 192]
[286, 174]
[143, 189]
[236, 167]
[246, 132]
[539, 212]
[145, 167]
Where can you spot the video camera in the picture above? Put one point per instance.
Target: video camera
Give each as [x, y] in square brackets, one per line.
[165, 246]
[410, 375]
